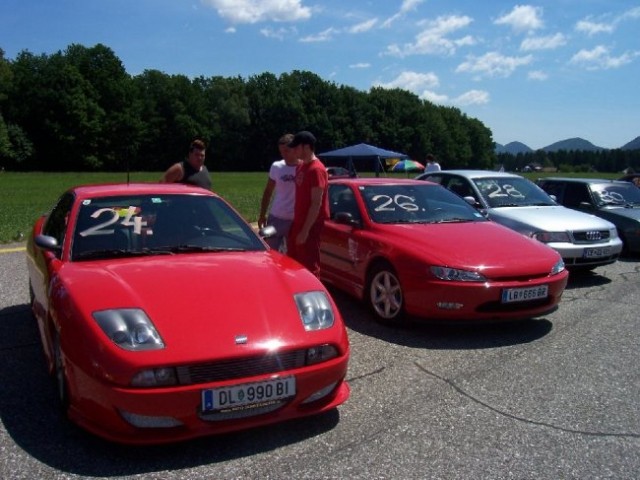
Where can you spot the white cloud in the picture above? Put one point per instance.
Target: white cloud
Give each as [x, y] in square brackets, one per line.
[472, 97]
[413, 81]
[434, 38]
[255, 11]
[593, 28]
[433, 97]
[279, 34]
[549, 42]
[406, 7]
[493, 64]
[364, 26]
[538, 75]
[600, 58]
[523, 18]
[324, 36]
[360, 65]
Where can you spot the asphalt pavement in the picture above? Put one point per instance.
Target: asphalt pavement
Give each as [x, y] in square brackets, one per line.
[553, 398]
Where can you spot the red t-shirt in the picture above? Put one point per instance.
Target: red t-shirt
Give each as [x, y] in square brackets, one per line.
[308, 176]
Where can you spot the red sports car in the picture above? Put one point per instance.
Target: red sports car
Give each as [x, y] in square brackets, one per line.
[407, 247]
[164, 316]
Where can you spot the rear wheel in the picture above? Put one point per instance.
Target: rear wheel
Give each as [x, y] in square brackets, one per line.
[384, 295]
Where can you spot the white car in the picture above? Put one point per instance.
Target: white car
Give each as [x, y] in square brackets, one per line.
[584, 241]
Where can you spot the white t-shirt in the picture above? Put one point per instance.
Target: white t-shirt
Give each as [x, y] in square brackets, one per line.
[284, 198]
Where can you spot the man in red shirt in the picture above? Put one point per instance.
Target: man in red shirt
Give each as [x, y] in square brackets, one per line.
[312, 204]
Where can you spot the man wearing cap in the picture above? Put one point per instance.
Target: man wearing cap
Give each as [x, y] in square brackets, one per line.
[311, 206]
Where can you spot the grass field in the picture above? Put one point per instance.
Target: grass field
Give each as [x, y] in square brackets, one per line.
[26, 196]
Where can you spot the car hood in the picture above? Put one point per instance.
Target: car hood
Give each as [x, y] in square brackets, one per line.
[626, 212]
[485, 246]
[200, 303]
[549, 219]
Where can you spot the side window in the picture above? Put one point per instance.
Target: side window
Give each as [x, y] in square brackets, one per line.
[555, 189]
[342, 199]
[460, 187]
[56, 223]
[574, 194]
[434, 178]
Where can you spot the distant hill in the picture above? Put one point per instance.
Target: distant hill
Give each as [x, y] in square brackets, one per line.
[573, 144]
[632, 145]
[577, 143]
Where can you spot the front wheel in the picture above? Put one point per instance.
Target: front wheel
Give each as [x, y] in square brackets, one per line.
[384, 295]
[60, 375]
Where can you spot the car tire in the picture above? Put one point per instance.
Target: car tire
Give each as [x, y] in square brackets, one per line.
[384, 294]
[60, 376]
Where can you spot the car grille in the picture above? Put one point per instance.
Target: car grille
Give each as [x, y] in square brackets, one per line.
[241, 368]
[591, 236]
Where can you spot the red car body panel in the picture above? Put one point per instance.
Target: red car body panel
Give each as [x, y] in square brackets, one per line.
[200, 303]
[507, 259]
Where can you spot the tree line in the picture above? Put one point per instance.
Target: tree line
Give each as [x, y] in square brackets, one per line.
[79, 110]
[614, 160]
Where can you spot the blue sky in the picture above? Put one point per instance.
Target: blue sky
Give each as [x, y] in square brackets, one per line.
[535, 72]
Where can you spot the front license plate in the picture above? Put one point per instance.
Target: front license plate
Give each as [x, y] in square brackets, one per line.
[248, 394]
[524, 294]
[596, 252]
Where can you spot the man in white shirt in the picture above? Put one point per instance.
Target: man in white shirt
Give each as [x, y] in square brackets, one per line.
[282, 176]
[432, 164]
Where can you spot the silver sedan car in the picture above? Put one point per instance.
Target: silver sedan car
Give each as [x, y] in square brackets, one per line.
[584, 241]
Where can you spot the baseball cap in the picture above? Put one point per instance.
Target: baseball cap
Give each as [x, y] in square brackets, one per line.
[302, 138]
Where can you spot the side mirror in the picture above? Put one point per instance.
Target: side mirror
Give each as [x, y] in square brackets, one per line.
[585, 206]
[345, 218]
[267, 231]
[46, 242]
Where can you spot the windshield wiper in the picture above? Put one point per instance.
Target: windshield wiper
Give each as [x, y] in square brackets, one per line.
[200, 248]
[105, 253]
[452, 220]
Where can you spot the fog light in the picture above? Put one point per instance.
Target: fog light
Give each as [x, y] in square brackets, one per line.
[146, 421]
[323, 392]
[449, 305]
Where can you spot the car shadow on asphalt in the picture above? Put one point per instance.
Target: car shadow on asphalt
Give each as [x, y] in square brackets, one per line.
[417, 333]
[586, 279]
[29, 414]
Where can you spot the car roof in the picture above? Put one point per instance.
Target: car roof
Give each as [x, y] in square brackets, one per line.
[360, 181]
[582, 180]
[113, 189]
[477, 173]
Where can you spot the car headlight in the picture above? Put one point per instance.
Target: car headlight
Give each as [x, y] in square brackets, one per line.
[548, 237]
[129, 328]
[315, 310]
[558, 267]
[455, 274]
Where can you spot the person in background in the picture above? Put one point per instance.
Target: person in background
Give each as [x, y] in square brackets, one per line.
[432, 164]
[281, 181]
[192, 170]
[311, 205]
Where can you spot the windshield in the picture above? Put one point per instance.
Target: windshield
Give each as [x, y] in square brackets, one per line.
[512, 192]
[109, 227]
[608, 194]
[416, 204]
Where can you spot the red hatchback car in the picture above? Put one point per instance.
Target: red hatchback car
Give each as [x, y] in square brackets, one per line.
[412, 247]
[164, 317]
